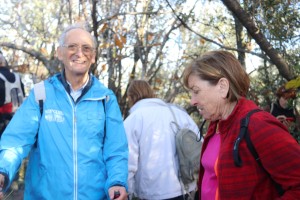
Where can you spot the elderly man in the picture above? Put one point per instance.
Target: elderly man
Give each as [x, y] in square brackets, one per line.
[81, 150]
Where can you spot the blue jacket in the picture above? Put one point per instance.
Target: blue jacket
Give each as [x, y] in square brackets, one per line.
[70, 160]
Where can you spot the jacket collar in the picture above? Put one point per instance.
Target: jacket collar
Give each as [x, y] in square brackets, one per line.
[242, 107]
[62, 79]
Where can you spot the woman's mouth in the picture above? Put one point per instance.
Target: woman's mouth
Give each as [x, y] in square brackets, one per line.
[200, 109]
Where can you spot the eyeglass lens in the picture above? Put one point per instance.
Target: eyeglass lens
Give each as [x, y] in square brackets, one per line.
[84, 48]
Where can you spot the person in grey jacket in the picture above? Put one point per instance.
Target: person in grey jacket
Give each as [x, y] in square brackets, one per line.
[153, 164]
[81, 150]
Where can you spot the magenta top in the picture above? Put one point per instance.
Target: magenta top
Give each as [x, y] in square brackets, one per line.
[209, 162]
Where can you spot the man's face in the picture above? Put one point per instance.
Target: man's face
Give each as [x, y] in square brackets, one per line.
[77, 53]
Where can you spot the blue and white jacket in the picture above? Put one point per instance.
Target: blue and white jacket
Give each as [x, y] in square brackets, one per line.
[72, 159]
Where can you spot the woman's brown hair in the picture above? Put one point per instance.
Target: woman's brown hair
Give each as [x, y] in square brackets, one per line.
[139, 89]
[214, 65]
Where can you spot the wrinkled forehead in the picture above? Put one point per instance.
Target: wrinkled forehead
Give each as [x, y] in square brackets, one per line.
[78, 35]
[193, 81]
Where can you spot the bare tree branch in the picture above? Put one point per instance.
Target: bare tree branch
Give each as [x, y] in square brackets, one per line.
[36, 54]
[214, 42]
[258, 36]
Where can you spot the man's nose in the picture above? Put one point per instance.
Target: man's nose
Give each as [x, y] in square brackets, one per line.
[79, 50]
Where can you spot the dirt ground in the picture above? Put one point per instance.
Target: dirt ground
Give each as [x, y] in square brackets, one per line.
[14, 195]
[15, 192]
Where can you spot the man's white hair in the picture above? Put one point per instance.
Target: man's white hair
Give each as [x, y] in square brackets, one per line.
[79, 25]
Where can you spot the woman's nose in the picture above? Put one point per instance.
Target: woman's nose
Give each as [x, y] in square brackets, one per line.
[193, 101]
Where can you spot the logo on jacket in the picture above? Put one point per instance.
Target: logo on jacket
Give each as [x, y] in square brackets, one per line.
[54, 115]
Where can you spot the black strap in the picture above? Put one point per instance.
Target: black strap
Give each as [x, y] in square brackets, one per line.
[41, 105]
[244, 133]
[104, 107]
[201, 130]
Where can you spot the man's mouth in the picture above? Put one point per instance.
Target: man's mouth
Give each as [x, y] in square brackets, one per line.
[79, 61]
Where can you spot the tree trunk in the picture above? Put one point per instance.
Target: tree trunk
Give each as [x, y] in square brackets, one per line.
[240, 41]
[257, 35]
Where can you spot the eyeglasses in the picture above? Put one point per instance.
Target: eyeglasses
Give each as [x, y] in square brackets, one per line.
[86, 49]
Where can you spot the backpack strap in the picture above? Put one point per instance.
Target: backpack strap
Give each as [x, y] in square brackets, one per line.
[175, 122]
[244, 134]
[104, 101]
[40, 96]
[201, 129]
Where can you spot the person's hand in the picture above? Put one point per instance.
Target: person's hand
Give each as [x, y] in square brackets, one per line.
[283, 119]
[118, 190]
[2, 179]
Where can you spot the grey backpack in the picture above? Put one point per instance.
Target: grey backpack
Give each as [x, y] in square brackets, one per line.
[188, 148]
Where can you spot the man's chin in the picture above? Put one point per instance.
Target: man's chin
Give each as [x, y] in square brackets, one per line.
[78, 72]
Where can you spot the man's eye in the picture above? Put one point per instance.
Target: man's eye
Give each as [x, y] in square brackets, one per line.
[195, 91]
[72, 46]
[86, 48]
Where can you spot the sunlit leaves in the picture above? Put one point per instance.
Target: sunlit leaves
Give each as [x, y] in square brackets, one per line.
[120, 41]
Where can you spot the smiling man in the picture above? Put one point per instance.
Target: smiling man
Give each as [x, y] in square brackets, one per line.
[81, 150]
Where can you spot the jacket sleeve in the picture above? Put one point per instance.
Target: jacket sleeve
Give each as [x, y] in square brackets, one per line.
[133, 130]
[18, 137]
[279, 153]
[115, 149]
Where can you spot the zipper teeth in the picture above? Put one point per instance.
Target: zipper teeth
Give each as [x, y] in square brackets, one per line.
[75, 170]
[75, 156]
[75, 160]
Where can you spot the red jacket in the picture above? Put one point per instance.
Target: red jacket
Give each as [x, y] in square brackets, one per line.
[278, 150]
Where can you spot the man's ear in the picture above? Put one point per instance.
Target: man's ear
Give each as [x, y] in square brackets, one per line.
[59, 53]
[93, 60]
[224, 87]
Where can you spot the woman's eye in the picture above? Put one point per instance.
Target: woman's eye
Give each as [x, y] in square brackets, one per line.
[195, 91]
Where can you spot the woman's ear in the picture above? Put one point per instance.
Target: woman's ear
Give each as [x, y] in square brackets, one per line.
[224, 87]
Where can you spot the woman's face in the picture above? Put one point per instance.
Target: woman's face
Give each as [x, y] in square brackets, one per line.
[283, 102]
[209, 99]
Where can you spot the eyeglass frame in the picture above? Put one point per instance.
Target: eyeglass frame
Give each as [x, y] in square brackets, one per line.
[82, 47]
